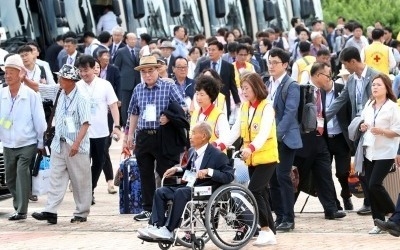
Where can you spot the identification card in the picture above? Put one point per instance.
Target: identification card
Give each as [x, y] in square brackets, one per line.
[7, 124]
[69, 122]
[320, 122]
[150, 113]
[93, 107]
[189, 177]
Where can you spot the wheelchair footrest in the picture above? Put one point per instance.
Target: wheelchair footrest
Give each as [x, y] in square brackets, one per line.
[149, 239]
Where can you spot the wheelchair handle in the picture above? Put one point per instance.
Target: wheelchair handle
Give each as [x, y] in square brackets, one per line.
[237, 154]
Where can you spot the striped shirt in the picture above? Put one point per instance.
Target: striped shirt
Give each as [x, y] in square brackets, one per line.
[161, 95]
[75, 105]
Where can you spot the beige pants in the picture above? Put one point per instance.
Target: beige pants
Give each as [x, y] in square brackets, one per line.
[77, 169]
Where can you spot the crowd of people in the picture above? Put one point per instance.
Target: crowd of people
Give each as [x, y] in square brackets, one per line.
[218, 91]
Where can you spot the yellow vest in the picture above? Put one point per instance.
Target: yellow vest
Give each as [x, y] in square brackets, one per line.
[219, 103]
[302, 64]
[211, 119]
[249, 67]
[377, 57]
[268, 153]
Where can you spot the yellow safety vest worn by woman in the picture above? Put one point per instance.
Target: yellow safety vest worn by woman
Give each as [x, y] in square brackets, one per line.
[247, 67]
[249, 127]
[212, 114]
[377, 57]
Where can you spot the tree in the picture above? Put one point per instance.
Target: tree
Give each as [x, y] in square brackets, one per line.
[366, 12]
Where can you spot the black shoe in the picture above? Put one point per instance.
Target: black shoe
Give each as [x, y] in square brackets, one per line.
[240, 233]
[364, 210]
[348, 205]
[143, 216]
[17, 216]
[335, 215]
[277, 223]
[390, 226]
[78, 219]
[33, 197]
[50, 217]
[93, 201]
[285, 226]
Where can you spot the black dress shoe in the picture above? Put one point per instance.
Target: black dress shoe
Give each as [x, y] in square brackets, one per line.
[392, 227]
[364, 210]
[93, 200]
[285, 226]
[277, 223]
[50, 217]
[17, 216]
[348, 205]
[335, 215]
[78, 219]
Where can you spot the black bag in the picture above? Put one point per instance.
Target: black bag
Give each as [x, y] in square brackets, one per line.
[50, 131]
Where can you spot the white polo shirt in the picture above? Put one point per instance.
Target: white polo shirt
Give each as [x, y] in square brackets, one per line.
[101, 94]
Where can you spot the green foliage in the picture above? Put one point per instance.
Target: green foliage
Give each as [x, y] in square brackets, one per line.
[366, 12]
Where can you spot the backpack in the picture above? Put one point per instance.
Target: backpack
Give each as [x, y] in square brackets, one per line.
[42, 72]
[307, 110]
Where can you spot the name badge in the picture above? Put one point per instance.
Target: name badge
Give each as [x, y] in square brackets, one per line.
[150, 113]
[69, 122]
[189, 177]
[7, 124]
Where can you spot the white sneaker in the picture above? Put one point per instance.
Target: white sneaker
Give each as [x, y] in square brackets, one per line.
[375, 230]
[145, 231]
[161, 233]
[265, 238]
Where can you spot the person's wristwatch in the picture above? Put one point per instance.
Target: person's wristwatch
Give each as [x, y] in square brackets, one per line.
[118, 127]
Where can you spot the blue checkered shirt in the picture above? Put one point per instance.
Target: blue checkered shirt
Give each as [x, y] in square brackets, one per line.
[162, 94]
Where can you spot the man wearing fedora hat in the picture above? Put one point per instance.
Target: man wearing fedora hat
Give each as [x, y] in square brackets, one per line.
[70, 149]
[150, 98]
[167, 48]
[22, 125]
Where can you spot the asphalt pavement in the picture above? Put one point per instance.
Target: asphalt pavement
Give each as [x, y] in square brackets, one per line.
[107, 229]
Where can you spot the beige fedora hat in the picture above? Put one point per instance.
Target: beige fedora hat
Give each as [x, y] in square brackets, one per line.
[147, 62]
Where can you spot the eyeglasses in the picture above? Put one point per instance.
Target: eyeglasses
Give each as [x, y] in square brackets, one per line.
[242, 54]
[150, 72]
[273, 63]
[329, 77]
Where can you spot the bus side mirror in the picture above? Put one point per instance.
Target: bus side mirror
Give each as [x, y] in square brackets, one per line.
[269, 10]
[116, 8]
[174, 8]
[220, 10]
[138, 9]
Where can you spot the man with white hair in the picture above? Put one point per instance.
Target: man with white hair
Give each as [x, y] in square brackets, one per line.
[22, 125]
[117, 36]
[316, 39]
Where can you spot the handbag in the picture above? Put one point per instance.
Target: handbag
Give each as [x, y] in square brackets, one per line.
[355, 183]
[392, 183]
[50, 131]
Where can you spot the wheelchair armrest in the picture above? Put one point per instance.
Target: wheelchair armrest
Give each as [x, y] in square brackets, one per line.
[172, 180]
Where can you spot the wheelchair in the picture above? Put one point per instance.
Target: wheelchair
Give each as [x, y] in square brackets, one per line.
[216, 216]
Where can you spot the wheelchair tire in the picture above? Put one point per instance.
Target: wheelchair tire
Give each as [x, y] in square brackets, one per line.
[231, 208]
[198, 244]
[164, 245]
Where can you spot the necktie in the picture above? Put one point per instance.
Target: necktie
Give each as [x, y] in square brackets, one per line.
[195, 155]
[319, 111]
[214, 66]
[70, 60]
[133, 54]
[114, 51]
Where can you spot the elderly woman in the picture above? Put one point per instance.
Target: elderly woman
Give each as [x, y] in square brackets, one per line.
[381, 140]
[207, 89]
[256, 125]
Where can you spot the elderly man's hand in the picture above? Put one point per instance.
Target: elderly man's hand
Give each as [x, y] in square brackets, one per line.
[170, 172]
[201, 174]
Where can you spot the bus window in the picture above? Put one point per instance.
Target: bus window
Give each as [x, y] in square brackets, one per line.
[233, 17]
[280, 20]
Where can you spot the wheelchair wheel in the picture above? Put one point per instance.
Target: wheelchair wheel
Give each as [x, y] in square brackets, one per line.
[231, 209]
[198, 244]
[183, 237]
[164, 245]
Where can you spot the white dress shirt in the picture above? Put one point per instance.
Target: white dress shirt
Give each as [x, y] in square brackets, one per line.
[273, 86]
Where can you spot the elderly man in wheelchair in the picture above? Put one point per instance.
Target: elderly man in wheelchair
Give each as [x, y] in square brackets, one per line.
[207, 166]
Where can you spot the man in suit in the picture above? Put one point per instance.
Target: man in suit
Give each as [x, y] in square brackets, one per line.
[210, 168]
[166, 51]
[314, 157]
[357, 91]
[288, 134]
[126, 59]
[70, 45]
[117, 35]
[225, 70]
[52, 53]
[337, 136]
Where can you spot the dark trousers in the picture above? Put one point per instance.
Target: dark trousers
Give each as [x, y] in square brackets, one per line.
[396, 215]
[260, 176]
[375, 173]
[318, 162]
[179, 195]
[281, 187]
[339, 149]
[147, 151]
[107, 167]
[97, 156]
[126, 96]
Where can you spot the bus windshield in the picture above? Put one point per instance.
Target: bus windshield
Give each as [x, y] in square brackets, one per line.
[233, 17]
[16, 19]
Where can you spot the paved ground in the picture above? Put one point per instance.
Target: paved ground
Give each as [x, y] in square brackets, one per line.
[107, 229]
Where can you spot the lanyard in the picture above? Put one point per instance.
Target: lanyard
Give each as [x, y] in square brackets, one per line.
[65, 103]
[12, 104]
[330, 102]
[376, 113]
[33, 75]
